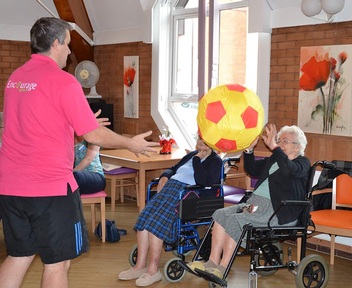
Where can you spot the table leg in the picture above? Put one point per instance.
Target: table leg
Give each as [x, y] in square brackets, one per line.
[141, 190]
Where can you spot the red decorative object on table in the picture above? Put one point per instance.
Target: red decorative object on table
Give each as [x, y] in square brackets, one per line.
[166, 142]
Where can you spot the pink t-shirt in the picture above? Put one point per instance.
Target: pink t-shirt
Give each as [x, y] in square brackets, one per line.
[43, 107]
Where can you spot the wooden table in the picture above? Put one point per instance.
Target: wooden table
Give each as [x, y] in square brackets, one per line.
[126, 158]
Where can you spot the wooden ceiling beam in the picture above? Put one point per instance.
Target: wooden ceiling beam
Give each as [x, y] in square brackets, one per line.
[74, 11]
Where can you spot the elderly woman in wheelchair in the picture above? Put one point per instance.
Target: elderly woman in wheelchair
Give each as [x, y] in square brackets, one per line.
[282, 176]
[156, 222]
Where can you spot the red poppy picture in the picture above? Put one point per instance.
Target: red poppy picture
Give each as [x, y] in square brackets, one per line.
[131, 86]
[325, 90]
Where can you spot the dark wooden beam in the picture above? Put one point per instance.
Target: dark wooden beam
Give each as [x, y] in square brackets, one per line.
[74, 11]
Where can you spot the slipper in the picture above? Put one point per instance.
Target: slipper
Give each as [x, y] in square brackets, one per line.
[146, 279]
[131, 274]
[122, 231]
[186, 267]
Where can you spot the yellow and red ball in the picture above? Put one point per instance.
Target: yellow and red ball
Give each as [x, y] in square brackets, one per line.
[230, 117]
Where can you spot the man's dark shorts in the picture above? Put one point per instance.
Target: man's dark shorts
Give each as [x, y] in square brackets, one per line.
[52, 227]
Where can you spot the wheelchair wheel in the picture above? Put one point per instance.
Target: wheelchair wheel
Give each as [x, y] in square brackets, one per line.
[173, 272]
[133, 255]
[312, 272]
[271, 259]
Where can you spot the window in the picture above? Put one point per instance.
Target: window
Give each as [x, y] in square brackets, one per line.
[224, 59]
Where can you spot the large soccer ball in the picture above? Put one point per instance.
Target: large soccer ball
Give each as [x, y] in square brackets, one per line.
[230, 117]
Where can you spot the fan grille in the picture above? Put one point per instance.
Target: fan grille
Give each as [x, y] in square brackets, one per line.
[87, 73]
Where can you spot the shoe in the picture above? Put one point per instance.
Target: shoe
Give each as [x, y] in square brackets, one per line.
[196, 264]
[131, 274]
[215, 271]
[146, 279]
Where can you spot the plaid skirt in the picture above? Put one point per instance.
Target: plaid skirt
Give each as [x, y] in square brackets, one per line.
[159, 216]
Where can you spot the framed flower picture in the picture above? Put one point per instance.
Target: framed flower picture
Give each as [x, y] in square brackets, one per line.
[325, 90]
[131, 86]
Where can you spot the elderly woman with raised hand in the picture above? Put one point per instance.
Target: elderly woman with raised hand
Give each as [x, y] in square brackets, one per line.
[155, 223]
[282, 176]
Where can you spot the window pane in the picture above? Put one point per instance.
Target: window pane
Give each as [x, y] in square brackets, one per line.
[192, 4]
[232, 58]
[187, 114]
[228, 1]
[186, 70]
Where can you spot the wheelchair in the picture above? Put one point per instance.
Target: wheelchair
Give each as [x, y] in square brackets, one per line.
[264, 245]
[195, 209]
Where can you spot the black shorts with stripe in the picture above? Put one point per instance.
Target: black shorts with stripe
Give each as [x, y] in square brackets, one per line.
[52, 227]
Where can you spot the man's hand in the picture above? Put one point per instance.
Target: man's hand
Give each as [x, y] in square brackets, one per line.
[140, 146]
[102, 121]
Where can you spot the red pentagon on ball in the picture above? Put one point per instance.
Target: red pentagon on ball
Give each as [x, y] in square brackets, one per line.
[250, 117]
[215, 111]
[226, 145]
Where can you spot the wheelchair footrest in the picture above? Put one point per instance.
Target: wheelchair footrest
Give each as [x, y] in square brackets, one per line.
[183, 264]
[211, 277]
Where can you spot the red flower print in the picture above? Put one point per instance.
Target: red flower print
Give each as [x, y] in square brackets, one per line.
[315, 74]
[128, 78]
[342, 57]
[325, 76]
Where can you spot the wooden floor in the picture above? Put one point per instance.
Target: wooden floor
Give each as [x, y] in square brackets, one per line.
[99, 267]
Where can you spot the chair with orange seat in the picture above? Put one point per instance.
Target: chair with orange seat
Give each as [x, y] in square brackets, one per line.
[94, 199]
[336, 221]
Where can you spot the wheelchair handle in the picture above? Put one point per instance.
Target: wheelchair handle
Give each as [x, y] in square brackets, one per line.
[325, 164]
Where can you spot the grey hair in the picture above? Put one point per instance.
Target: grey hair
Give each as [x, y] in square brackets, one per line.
[45, 31]
[298, 134]
[1, 119]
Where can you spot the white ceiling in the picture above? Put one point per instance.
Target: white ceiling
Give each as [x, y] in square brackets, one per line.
[115, 17]
[116, 21]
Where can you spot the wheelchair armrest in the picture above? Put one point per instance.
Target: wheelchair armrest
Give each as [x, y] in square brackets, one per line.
[295, 203]
[302, 203]
[199, 187]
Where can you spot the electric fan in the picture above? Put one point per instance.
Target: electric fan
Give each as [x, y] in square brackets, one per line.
[87, 73]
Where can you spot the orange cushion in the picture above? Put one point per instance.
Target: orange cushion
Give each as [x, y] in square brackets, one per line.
[333, 218]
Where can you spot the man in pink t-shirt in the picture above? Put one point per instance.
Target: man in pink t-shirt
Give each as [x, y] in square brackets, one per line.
[39, 200]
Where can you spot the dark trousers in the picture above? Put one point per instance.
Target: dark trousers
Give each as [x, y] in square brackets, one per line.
[89, 182]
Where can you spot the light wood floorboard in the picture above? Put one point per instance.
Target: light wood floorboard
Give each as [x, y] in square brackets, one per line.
[99, 267]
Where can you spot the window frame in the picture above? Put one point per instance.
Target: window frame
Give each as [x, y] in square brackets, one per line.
[162, 62]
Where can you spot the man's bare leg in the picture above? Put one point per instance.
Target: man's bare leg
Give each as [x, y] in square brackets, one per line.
[56, 275]
[13, 270]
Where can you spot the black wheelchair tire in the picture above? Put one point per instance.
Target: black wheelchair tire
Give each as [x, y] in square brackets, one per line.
[312, 270]
[173, 272]
[132, 258]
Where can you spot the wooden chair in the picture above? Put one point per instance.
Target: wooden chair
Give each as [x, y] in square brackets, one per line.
[121, 177]
[334, 221]
[93, 200]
